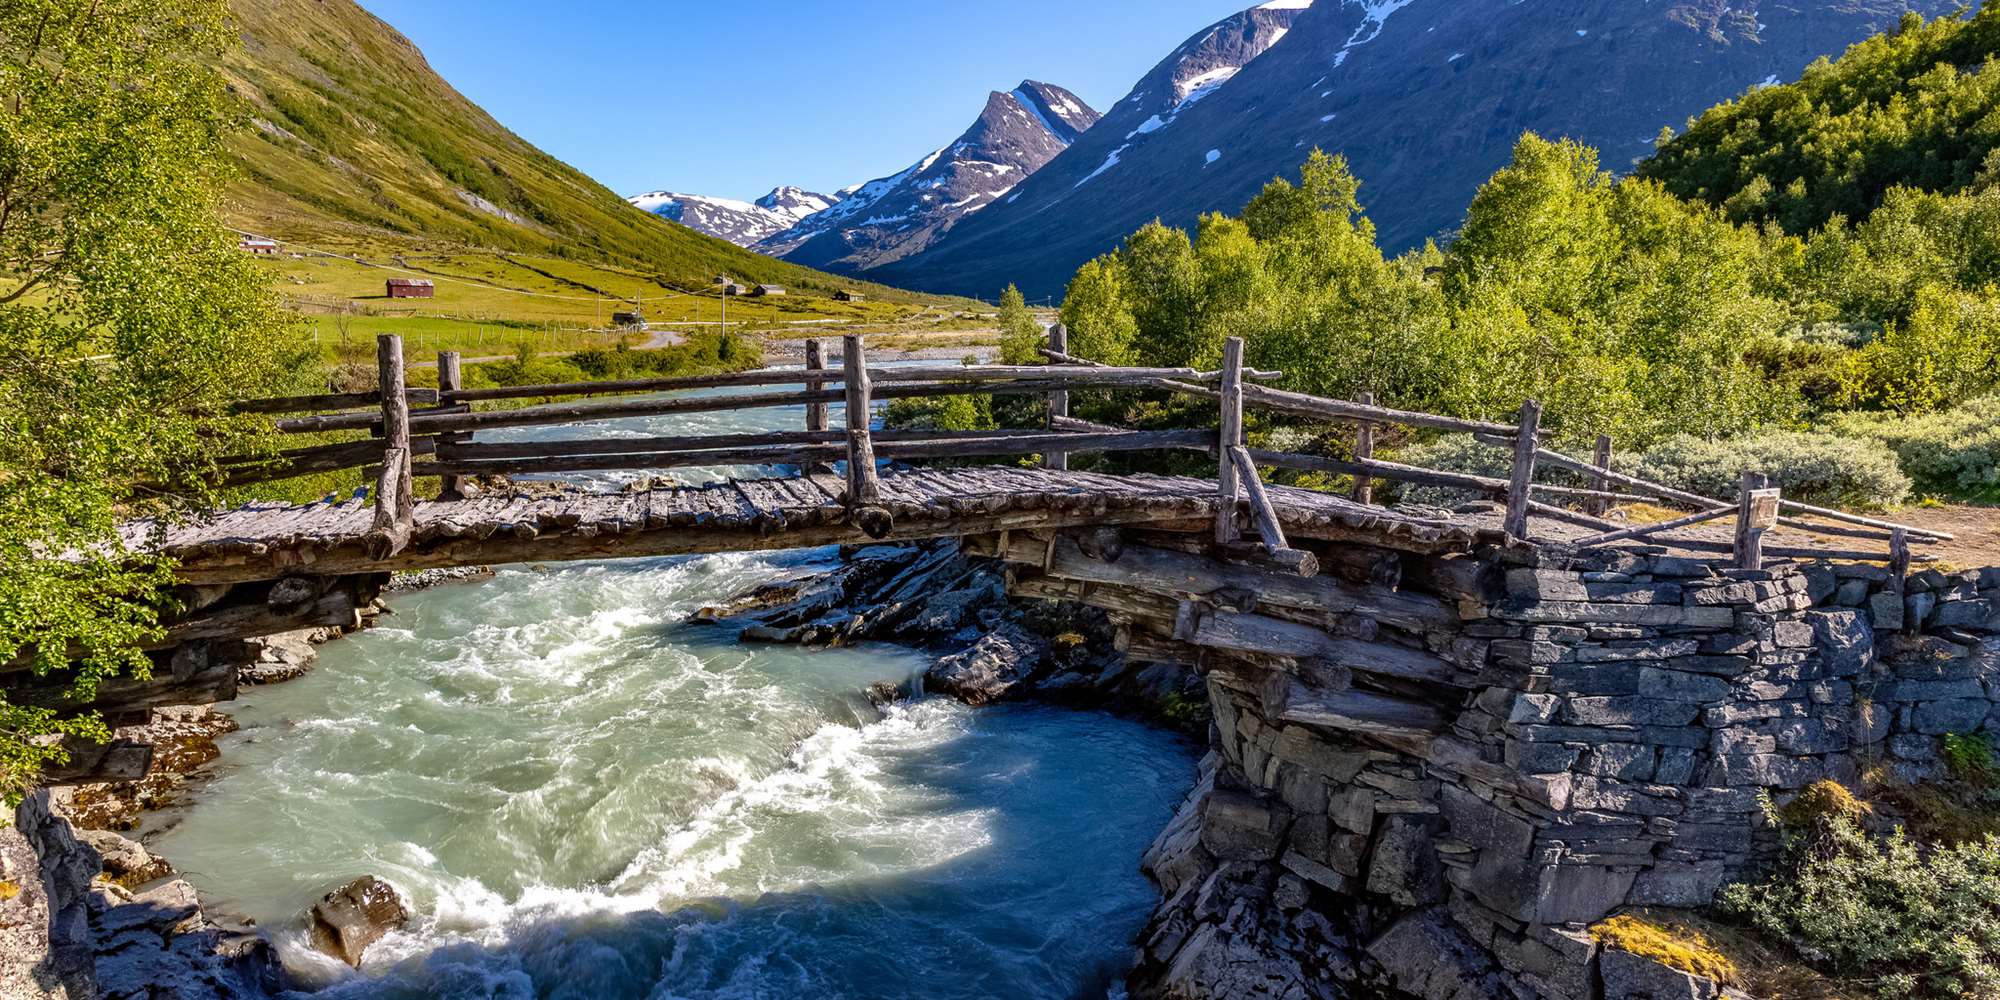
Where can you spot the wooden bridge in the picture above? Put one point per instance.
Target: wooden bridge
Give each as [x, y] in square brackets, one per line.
[473, 524]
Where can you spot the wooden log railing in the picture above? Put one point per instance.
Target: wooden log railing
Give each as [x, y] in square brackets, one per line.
[438, 441]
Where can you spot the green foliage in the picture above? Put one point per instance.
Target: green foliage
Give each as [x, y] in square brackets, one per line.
[1946, 351]
[1915, 107]
[1619, 306]
[1453, 453]
[1098, 313]
[1904, 921]
[126, 319]
[943, 413]
[1020, 335]
[1951, 452]
[1969, 757]
[1811, 467]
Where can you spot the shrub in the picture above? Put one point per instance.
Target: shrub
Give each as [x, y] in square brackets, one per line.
[1914, 923]
[1461, 453]
[1810, 467]
[1954, 452]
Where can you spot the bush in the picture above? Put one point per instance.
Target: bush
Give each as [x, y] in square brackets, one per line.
[1453, 453]
[1461, 453]
[1954, 452]
[1908, 922]
[1810, 467]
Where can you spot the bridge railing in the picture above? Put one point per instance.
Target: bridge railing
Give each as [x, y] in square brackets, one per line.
[435, 439]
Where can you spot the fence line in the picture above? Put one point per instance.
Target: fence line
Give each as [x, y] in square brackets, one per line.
[441, 431]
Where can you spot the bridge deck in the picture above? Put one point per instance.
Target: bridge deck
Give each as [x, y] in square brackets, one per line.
[266, 541]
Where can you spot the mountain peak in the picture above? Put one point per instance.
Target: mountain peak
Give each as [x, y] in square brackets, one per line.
[1016, 132]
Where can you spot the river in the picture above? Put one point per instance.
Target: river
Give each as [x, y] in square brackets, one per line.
[585, 795]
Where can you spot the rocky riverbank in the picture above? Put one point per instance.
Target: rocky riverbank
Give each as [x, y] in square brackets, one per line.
[87, 911]
[931, 596]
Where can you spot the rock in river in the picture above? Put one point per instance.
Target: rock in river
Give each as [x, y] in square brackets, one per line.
[355, 916]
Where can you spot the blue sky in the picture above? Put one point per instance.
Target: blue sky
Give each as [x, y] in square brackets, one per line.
[734, 98]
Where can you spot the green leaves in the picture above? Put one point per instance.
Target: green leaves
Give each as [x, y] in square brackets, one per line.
[128, 319]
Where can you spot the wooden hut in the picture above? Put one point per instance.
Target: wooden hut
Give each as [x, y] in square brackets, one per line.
[767, 291]
[258, 245]
[845, 295]
[411, 288]
[732, 288]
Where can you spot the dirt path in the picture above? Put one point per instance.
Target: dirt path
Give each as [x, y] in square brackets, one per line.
[1975, 530]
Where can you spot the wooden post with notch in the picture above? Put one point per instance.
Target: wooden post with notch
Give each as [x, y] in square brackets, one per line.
[451, 378]
[1520, 484]
[395, 502]
[1058, 399]
[1601, 458]
[1756, 513]
[1229, 435]
[1364, 450]
[816, 413]
[862, 487]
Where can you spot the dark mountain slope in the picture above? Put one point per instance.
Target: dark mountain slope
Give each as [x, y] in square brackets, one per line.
[1425, 97]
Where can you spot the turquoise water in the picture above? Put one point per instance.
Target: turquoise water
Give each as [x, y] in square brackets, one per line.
[582, 794]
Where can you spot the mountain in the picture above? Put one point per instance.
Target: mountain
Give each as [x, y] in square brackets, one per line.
[740, 222]
[1425, 97]
[892, 217]
[357, 139]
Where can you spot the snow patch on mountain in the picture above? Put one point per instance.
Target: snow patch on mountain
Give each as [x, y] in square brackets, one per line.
[739, 222]
[1017, 132]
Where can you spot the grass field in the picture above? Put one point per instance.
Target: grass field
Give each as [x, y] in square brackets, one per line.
[489, 303]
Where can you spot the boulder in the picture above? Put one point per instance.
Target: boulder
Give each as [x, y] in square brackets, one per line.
[125, 861]
[275, 658]
[1239, 826]
[1426, 955]
[354, 916]
[1635, 977]
[998, 666]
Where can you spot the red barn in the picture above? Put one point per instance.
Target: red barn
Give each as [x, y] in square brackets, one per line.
[258, 245]
[411, 288]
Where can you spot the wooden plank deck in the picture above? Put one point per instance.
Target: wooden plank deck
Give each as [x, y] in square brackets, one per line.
[268, 541]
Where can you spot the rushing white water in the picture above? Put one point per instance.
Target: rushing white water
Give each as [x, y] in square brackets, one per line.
[584, 795]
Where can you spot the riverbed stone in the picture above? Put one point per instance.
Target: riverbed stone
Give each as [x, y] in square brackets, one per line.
[349, 919]
[998, 666]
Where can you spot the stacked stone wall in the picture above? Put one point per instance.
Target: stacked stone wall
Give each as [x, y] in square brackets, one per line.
[1635, 715]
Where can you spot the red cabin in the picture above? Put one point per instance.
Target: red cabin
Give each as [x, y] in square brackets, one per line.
[411, 288]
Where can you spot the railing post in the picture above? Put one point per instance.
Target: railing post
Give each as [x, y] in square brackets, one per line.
[1756, 512]
[395, 503]
[1364, 449]
[816, 413]
[1520, 484]
[1601, 458]
[815, 362]
[1899, 559]
[1229, 435]
[451, 378]
[1058, 400]
[862, 487]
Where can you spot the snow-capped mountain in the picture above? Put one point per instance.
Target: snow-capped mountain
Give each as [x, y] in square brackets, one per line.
[739, 222]
[1425, 97]
[892, 217]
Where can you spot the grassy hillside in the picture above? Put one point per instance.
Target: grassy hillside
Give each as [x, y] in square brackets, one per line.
[360, 147]
[1917, 107]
